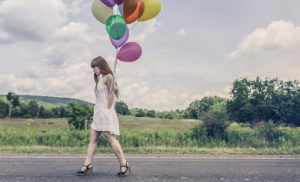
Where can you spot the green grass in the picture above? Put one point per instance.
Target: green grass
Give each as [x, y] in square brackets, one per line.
[129, 123]
[140, 135]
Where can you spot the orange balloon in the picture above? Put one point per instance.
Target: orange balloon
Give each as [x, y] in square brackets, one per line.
[132, 10]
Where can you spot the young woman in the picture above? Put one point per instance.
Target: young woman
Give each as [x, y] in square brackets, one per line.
[105, 119]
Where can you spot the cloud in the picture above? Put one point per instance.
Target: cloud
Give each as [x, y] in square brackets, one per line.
[78, 6]
[31, 20]
[158, 97]
[225, 93]
[181, 32]
[62, 61]
[146, 28]
[67, 81]
[68, 42]
[74, 31]
[270, 52]
[65, 45]
[161, 97]
[59, 54]
[278, 36]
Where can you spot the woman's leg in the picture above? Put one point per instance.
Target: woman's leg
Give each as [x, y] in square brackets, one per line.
[116, 147]
[92, 147]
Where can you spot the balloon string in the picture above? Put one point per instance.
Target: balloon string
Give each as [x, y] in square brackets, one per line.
[133, 26]
[115, 64]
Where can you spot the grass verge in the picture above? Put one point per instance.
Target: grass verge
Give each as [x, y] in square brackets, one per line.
[153, 150]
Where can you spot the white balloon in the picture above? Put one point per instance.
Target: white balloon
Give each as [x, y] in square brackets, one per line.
[100, 11]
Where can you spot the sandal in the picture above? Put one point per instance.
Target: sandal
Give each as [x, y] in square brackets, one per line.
[87, 170]
[128, 168]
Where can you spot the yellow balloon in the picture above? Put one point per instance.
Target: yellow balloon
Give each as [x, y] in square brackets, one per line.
[151, 9]
[100, 11]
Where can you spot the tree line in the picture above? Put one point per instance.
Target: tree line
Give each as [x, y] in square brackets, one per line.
[13, 106]
[262, 100]
[251, 101]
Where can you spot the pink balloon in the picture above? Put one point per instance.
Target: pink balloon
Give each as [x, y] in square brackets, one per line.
[130, 52]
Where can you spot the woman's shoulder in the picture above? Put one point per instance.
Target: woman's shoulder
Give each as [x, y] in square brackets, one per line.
[108, 77]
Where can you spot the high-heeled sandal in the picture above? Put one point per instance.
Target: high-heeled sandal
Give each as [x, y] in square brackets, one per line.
[88, 170]
[122, 174]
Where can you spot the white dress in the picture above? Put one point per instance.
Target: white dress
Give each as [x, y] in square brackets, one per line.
[104, 119]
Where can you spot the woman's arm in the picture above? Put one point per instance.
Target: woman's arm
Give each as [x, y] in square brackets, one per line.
[110, 82]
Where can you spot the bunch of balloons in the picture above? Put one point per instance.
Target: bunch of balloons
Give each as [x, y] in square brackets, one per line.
[117, 24]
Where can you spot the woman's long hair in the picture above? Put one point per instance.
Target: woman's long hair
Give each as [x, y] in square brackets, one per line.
[105, 70]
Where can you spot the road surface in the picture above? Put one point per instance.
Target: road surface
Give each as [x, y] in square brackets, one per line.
[206, 168]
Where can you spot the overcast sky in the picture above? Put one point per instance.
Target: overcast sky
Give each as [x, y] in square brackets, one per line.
[191, 49]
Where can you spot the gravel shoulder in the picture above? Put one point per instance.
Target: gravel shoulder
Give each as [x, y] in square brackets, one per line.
[200, 156]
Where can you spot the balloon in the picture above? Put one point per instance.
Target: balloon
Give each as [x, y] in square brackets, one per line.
[121, 9]
[100, 11]
[118, 2]
[130, 52]
[109, 3]
[116, 26]
[122, 41]
[152, 8]
[132, 10]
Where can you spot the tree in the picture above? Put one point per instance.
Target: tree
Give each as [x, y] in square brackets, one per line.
[21, 111]
[33, 109]
[122, 108]
[206, 103]
[140, 113]
[4, 107]
[179, 114]
[45, 113]
[58, 112]
[13, 101]
[263, 100]
[77, 114]
[193, 110]
[239, 106]
[198, 108]
[150, 113]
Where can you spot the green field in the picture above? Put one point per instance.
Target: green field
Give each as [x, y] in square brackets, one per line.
[141, 135]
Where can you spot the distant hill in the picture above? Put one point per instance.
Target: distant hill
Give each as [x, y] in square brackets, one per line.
[51, 100]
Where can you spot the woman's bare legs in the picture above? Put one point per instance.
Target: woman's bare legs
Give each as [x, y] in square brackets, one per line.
[116, 147]
[91, 148]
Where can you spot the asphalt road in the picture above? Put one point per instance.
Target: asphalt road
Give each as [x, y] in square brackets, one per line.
[145, 168]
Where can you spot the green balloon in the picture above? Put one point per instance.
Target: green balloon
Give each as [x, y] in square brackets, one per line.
[116, 26]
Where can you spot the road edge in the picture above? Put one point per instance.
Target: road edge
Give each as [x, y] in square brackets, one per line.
[105, 155]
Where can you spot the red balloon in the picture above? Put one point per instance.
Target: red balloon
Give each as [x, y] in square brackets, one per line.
[132, 10]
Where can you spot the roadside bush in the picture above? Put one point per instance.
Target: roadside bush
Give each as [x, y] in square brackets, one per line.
[77, 114]
[198, 132]
[215, 121]
[270, 131]
[140, 113]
